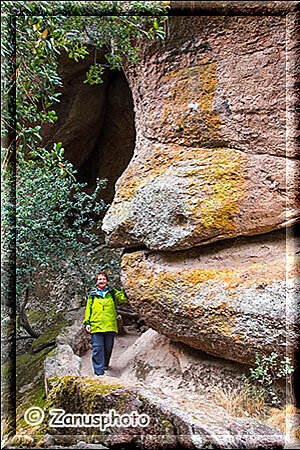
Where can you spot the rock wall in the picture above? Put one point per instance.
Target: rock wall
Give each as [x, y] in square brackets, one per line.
[170, 423]
[215, 159]
[210, 156]
[227, 299]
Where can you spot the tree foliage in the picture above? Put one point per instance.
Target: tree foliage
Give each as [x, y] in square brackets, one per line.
[48, 219]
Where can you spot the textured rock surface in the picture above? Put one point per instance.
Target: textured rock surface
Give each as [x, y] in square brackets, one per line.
[229, 300]
[63, 362]
[75, 335]
[80, 111]
[171, 424]
[95, 122]
[169, 366]
[211, 152]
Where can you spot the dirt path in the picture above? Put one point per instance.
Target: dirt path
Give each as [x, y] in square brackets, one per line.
[121, 344]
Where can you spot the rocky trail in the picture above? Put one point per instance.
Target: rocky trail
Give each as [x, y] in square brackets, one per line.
[121, 343]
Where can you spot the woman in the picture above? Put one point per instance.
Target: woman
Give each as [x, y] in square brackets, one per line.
[101, 320]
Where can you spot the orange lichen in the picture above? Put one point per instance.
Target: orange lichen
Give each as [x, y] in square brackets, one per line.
[188, 109]
[212, 183]
[232, 278]
[196, 288]
[189, 106]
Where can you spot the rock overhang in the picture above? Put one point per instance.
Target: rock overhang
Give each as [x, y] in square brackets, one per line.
[214, 160]
[231, 299]
[185, 197]
[215, 154]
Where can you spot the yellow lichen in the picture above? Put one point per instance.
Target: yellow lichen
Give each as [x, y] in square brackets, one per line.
[188, 109]
[214, 175]
[212, 183]
[160, 289]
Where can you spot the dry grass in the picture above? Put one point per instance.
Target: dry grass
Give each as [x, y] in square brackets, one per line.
[248, 402]
[240, 402]
[286, 419]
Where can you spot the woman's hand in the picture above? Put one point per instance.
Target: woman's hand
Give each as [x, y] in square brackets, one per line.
[88, 328]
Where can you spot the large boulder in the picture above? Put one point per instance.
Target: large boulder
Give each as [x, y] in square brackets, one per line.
[75, 335]
[168, 424]
[229, 299]
[214, 157]
[158, 362]
[61, 362]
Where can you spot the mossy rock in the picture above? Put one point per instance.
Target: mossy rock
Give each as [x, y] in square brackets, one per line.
[37, 316]
[30, 377]
[28, 366]
[58, 323]
[35, 396]
[170, 424]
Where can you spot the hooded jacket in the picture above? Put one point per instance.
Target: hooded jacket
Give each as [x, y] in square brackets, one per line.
[100, 313]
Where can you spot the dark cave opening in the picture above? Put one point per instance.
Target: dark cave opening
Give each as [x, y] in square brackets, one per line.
[95, 123]
[114, 146]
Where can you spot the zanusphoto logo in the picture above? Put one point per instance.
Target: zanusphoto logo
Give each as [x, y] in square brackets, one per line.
[60, 419]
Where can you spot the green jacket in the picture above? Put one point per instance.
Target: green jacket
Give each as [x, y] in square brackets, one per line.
[100, 313]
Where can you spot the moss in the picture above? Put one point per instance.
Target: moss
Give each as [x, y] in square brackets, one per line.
[29, 371]
[92, 388]
[86, 395]
[34, 397]
[37, 316]
[66, 388]
[28, 367]
[24, 434]
[58, 323]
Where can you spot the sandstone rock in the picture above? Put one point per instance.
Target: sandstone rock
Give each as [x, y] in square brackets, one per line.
[75, 335]
[170, 424]
[229, 300]
[157, 362]
[62, 362]
[210, 155]
[47, 441]
[85, 445]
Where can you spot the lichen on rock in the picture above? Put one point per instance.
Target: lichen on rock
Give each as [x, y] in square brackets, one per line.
[227, 301]
[169, 423]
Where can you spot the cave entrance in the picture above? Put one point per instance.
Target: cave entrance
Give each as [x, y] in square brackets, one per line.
[95, 123]
[113, 148]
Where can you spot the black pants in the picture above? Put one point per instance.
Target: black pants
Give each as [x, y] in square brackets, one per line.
[102, 345]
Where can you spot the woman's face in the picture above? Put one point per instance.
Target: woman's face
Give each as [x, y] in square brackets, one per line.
[101, 281]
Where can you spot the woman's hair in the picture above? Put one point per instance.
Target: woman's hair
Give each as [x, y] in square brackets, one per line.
[101, 273]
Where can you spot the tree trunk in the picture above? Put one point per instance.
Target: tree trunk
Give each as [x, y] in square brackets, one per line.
[23, 317]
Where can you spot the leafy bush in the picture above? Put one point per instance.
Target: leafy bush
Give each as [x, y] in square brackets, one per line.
[47, 219]
[268, 370]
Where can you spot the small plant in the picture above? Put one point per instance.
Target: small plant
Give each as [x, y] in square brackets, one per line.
[254, 399]
[256, 396]
[267, 370]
